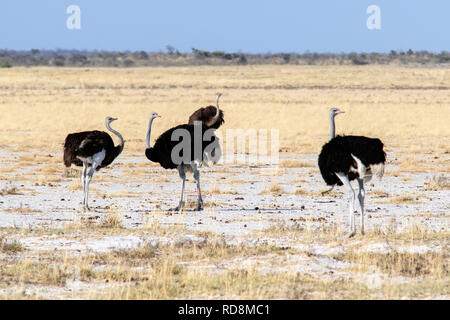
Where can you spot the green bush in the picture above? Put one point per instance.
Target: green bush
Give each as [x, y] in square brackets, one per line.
[6, 64]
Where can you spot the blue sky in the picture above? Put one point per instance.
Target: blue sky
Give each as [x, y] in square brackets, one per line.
[234, 25]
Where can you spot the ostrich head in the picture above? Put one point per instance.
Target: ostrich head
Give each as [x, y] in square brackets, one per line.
[218, 95]
[335, 111]
[154, 115]
[110, 119]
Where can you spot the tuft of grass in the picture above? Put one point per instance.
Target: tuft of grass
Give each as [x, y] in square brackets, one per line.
[379, 194]
[10, 191]
[273, 189]
[113, 220]
[438, 183]
[10, 246]
[402, 199]
[71, 173]
[300, 192]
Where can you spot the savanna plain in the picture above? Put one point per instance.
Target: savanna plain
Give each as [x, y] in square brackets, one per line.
[267, 231]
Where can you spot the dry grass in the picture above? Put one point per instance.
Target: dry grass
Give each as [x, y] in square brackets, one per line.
[21, 210]
[402, 199]
[300, 192]
[394, 263]
[296, 164]
[113, 220]
[273, 189]
[180, 270]
[10, 191]
[300, 115]
[10, 246]
[438, 183]
[71, 173]
[379, 194]
[189, 269]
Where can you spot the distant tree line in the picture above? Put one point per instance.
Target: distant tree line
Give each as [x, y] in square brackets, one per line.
[172, 57]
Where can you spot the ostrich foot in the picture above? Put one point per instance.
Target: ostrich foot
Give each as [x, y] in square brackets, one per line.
[351, 234]
[199, 207]
[86, 208]
[179, 207]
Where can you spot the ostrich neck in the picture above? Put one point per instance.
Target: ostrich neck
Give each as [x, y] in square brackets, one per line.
[149, 132]
[121, 144]
[214, 119]
[217, 108]
[333, 130]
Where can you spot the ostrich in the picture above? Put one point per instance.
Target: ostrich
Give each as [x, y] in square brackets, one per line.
[95, 148]
[164, 151]
[211, 116]
[345, 158]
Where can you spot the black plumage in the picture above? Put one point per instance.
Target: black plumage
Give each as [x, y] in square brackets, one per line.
[87, 143]
[162, 149]
[336, 156]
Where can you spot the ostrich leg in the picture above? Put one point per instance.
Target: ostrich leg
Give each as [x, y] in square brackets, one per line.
[83, 183]
[96, 160]
[361, 195]
[199, 193]
[351, 194]
[88, 180]
[183, 177]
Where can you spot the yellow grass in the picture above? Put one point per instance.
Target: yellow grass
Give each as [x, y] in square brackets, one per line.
[41, 105]
[273, 189]
[402, 199]
[177, 271]
[296, 164]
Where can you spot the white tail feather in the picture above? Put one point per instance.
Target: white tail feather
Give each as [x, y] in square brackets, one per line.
[360, 167]
[374, 169]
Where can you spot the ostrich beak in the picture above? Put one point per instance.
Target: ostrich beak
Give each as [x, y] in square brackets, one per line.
[339, 111]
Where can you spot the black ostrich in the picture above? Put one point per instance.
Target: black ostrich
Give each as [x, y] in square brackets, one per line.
[211, 116]
[345, 158]
[95, 148]
[199, 140]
